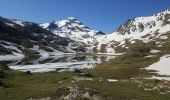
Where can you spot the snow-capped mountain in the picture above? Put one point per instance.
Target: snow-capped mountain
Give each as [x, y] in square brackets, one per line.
[73, 29]
[20, 38]
[145, 29]
[153, 28]
[68, 25]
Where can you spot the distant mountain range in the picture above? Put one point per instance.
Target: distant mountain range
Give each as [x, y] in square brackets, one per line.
[19, 39]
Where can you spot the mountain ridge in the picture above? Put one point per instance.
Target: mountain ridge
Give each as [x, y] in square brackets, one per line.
[72, 36]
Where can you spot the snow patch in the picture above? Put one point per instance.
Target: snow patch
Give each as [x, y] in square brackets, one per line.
[155, 51]
[44, 25]
[162, 67]
[10, 24]
[112, 80]
[19, 22]
[159, 78]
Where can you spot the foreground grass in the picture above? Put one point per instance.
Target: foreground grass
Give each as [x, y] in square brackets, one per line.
[22, 86]
[122, 90]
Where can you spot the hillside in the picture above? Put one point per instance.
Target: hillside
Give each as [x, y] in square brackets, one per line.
[21, 38]
[153, 30]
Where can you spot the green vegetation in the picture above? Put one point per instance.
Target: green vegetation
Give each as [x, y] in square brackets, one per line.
[123, 67]
[103, 48]
[119, 49]
[127, 65]
[139, 49]
[121, 90]
[31, 54]
[166, 46]
[27, 44]
[20, 86]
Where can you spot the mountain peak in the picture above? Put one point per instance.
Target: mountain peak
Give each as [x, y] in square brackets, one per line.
[143, 24]
[71, 18]
[73, 29]
[70, 24]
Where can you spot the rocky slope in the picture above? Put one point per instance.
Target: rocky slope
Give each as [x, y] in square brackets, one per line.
[72, 28]
[151, 29]
[20, 38]
[75, 30]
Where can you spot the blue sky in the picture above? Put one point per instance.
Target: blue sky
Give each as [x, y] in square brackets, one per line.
[104, 15]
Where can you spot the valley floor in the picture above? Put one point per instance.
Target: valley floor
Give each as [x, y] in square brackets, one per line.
[123, 78]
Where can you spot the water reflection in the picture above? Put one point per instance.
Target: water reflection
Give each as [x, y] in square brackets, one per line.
[59, 63]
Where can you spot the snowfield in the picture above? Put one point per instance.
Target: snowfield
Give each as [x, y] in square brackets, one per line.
[155, 51]
[162, 67]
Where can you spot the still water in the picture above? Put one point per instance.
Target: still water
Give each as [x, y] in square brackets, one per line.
[59, 63]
